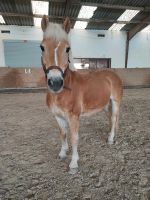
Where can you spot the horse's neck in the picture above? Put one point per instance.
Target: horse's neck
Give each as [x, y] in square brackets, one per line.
[68, 76]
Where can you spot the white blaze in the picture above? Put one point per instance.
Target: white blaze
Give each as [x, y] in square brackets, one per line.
[56, 56]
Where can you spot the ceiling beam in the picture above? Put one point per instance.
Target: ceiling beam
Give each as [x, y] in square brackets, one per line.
[113, 6]
[138, 27]
[67, 6]
[147, 21]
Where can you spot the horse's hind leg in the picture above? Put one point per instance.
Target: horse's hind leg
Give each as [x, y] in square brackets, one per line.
[114, 120]
[108, 110]
[63, 125]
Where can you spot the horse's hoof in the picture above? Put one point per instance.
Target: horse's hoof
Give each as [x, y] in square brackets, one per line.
[73, 171]
[62, 158]
[110, 142]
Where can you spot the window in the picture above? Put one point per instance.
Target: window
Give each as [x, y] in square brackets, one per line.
[92, 63]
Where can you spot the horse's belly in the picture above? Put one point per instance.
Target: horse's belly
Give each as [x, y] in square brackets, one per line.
[95, 102]
[96, 97]
[91, 112]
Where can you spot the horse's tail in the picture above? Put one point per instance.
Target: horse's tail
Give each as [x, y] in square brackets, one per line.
[116, 88]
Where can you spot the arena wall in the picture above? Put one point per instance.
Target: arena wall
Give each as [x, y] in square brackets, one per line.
[34, 78]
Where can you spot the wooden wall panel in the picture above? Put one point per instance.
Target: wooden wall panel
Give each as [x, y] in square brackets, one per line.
[134, 77]
[17, 78]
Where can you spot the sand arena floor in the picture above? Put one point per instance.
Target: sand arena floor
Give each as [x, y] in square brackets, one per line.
[29, 147]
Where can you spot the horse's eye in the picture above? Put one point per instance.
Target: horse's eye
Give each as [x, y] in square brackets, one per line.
[42, 48]
[67, 49]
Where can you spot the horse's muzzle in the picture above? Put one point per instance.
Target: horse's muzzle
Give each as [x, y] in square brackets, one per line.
[55, 84]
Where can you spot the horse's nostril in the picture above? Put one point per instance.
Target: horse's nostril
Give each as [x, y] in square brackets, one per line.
[55, 84]
[61, 82]
[50, 82]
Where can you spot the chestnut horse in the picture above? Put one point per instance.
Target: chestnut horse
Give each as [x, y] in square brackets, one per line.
[72, 94]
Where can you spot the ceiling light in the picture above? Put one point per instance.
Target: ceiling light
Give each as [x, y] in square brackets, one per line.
[146, 29]
[2, 21]
[86, 12]
[37, 22]
[80, 25]
[40, 7]
[116, 27]
[126, 16]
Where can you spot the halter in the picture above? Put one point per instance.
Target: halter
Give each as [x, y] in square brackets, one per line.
[63, 73]
[46, 70]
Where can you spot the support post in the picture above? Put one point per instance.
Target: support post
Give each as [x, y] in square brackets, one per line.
[127, 50]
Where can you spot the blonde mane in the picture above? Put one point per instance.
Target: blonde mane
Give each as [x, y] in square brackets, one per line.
[56, 32]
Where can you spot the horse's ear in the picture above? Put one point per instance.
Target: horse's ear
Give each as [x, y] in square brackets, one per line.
[44, 22]
[67, 25]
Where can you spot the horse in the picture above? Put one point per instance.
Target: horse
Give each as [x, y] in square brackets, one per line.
[72, 94]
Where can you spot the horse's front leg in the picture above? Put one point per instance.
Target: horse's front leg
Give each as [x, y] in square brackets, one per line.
[63, 125]
[74, 126]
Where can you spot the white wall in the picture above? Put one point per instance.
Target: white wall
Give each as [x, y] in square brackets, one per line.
[86, 44]
[21, 33]
[2, 58]
[17, 33]
[139, 50]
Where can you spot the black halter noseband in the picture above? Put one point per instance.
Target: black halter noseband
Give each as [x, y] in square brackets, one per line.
[46, 71]
[54, 67]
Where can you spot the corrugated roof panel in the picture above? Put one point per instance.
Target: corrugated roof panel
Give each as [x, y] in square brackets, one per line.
[7, 6]
[12, 20]
[21, 21]
[17, 6]
[139, 16]
[26, 21]
[121, 2]
[74, 11]
[56, 1]
[99, 26]
[59, 9]
[58, 21]
[23, 6]
[107, 13]
[56, 9]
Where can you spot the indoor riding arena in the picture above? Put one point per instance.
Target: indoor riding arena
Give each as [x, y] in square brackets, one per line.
[108, 41]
